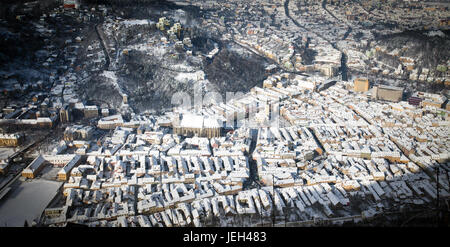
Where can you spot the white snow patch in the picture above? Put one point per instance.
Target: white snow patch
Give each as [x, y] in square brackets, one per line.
[159, 51]
[112, 76]
[237, 49]
[135, 22]
[183, 67]
[435, 33]
[185, 77]
[139, 47]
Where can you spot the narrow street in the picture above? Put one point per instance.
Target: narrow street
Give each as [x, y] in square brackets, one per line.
[253, 176]
[103, 45]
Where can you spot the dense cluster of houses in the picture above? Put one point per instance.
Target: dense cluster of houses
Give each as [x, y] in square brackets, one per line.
[336, 147]
[299, 147]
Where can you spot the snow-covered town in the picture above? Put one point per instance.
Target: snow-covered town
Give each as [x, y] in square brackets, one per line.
[124, 122]
[338, 148]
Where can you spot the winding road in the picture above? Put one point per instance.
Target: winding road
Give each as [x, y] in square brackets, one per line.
[343, 68]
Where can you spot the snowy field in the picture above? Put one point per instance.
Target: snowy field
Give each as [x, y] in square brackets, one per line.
[26, 202]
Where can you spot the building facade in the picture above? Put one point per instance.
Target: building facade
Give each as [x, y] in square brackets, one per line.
[361, 85]
[11, 140]
[389, 93]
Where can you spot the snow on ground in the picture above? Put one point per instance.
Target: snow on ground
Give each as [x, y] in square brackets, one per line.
[183, 67]
[180, 16]
[159, 51]
[27, 202]
[6, 152]
[185, 77]
[111, 75]
[139, 47]
[47, 147]
[128, 23]
[237, 49]
[113, 79]
[435, 33]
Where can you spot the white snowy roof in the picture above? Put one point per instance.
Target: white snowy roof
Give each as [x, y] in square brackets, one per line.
[36, 163]
[209, 122]
[198, 122]
[192, 121]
